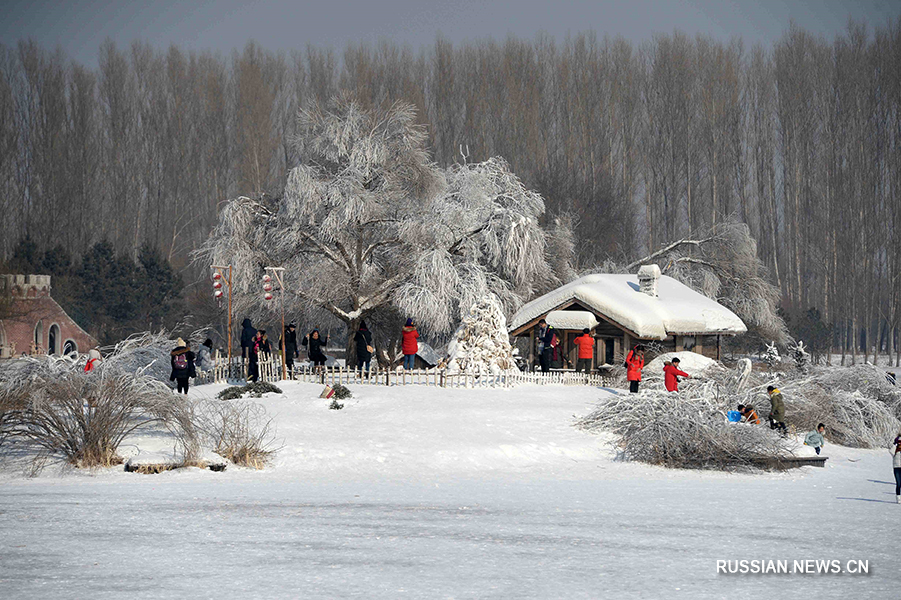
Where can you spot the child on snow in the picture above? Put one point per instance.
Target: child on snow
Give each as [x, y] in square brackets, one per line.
[634, 365]
[749, 414]
[182, 365]
[671, 374]
[410, 346]
[815, 439]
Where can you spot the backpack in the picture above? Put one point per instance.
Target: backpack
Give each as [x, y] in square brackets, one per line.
[181, 361]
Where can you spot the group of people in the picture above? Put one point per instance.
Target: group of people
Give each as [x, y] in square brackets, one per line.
[255, 346]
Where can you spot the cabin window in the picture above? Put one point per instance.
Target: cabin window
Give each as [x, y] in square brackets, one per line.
[688, 342]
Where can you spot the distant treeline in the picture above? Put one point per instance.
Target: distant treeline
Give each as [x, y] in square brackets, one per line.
[638, 144]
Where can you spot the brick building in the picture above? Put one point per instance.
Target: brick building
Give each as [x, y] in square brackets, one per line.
[31, 322]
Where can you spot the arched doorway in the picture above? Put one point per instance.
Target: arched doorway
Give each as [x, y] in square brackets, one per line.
[53, 340]
[39, 336]
[70, 347]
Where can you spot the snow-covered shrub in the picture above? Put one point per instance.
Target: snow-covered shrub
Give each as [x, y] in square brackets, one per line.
[858, 405]
[335, 405]
[341, 391]
[83, 417]
[242, 432]
[251, 390]
[684, 432]
[12, 401]
[481, 343]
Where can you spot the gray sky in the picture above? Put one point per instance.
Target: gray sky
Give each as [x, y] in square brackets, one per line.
[223, 25]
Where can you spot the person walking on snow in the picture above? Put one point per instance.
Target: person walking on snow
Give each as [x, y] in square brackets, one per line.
[314, 344]
[410, 346]
[585, 343]
[248, 339]
[671, 374]
[896, 463]
[363, 340]
[182, 365]
[634, 365]
[777, 410]
[816, 439]
[545, 336]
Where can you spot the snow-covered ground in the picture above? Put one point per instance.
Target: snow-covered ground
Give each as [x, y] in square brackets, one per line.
[431, 493]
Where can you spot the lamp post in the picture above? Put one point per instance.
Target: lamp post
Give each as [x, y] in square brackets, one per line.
[220, 274]
[278, 273]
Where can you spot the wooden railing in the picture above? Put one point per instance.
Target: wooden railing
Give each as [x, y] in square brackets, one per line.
[271, 371]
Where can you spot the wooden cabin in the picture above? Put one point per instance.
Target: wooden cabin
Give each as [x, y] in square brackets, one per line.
[624, 310]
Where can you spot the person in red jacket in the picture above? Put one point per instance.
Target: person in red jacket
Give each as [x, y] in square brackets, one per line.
[410, 346]
[671, 374]
[634, 365]
[585, 342]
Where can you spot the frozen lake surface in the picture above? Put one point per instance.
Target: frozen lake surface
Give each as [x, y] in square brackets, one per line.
[514, 504]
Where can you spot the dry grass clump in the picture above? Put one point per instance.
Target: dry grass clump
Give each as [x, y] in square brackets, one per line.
[684, 432]
[242, 432]
[59, 409]
[859, 406]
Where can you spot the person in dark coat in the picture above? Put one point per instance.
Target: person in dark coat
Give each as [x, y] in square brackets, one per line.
[290, 340]
[253, 358]
[315, 345]
[248, 335]
[363, 339]
[182, 365]
[545, 338]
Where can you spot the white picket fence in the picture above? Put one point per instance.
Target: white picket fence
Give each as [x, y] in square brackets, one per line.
[271, 371]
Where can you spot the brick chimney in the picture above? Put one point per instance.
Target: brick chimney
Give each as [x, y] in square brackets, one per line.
[647, 279]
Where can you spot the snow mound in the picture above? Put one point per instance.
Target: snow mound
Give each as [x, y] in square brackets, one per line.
[690, 362]
[481, 344]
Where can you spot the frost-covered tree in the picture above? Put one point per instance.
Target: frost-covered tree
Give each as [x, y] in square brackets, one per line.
[723, 264]
[771, 357]
[801, 356]
[481, 344]
[367, 220]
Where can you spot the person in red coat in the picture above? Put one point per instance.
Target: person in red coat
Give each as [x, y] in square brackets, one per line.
[634, 365]
[585, 342]
[671, 374]
[410, 346]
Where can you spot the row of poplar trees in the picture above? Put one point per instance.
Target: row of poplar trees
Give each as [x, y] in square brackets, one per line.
[634, 145]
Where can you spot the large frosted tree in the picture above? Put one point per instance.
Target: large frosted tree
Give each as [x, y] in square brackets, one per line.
[367, 220]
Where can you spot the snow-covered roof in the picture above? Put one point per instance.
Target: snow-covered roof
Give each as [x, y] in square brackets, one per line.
[676, 310]
[571, 319]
